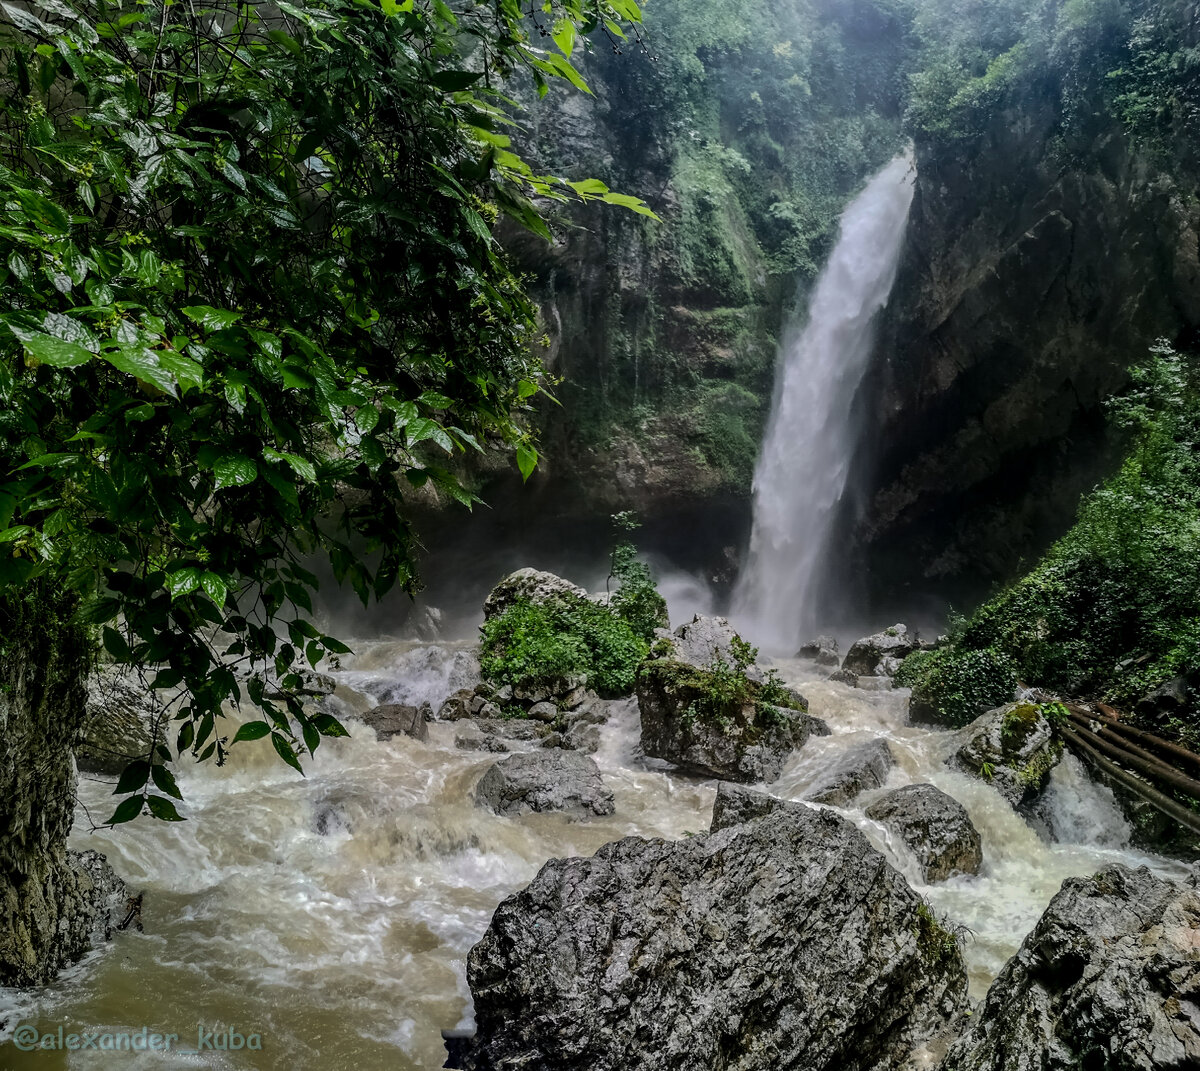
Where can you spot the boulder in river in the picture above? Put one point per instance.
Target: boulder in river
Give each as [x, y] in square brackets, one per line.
[935, 827]
[823, 650]
[685, 722]
[880, 655]
[1014, 748]
[396, 719]
[553, 780]
[1108, 979]
[781, 944]
[703, 639]
[533, 585]
[856, 770]
[735, 805]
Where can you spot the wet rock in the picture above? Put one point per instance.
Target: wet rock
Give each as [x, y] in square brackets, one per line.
[544, 711]
[735, 805]
[1108, 979]
[1159, 704]
[525, 729]
[823, 650]
[545, 781]
[935, 827]
[118, 724]
[845, 676]
[785, 944]
[880, 655]
[480, 742]
[750, 743]
[426, 623]
[699, 641]
[533, 585]
[1014, 748]
[396, 719]
[459, 705]
[862, 767]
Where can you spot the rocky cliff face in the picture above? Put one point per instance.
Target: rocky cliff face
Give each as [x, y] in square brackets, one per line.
[53, 903]
[1041, 261]
[746, 127]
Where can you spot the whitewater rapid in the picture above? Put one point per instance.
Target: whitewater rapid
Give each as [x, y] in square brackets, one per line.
[347, 948]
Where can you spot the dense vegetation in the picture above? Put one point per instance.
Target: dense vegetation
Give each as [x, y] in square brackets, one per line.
[538, 645]
[252, 296]
[1113, 609]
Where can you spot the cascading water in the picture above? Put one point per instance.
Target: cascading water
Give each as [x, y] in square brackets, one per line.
[803, 465]
[333, 913]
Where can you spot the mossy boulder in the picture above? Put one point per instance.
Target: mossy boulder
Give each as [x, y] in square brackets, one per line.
[692, 717]
[1013, 747]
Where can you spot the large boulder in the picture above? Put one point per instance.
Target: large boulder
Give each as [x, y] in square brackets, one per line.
[1014, 748]
[533, 585]
[823, 650]
[784, 944]
[935, 827]
[397, 719]
[858, 769]
[118, 725]
[704, 639]
[880, 655]
[735, 805]
[545, 781]
[750, 741]
[1108, 979]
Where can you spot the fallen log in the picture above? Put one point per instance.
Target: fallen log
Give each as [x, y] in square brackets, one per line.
[1158, 771]
[1140, 735]
[1086, 751]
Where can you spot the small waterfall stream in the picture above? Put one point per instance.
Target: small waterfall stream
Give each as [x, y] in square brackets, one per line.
[803, 465]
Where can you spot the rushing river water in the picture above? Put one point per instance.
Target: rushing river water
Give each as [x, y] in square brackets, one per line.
[346, 948]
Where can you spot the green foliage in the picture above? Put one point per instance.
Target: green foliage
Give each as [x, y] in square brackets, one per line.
[935, 939]
[1113, 609]
[252, 295]
[955, 686]
[533, 644]
[726, 692]
[636, 599]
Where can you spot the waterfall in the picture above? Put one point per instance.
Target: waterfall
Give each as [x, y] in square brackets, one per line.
[804, 462]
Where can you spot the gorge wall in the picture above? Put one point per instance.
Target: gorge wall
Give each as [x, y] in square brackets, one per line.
[1049, 246]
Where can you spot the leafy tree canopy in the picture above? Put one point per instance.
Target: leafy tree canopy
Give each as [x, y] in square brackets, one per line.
[252, 296]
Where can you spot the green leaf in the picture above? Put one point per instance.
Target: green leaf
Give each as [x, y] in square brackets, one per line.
[235, 471]
[115, 645]
[165, 780]
[423, 428]
[163, 809]
[183, 582]
[564, 35]
[300, 466]
[455, 81]
[211, 319]
[132, 778]
[214, 587]
[127, 810]
[625, 201]
[526, 388]
[527, 459]
[142, 363]
[285, 752]
[56, 351]
[252, 730]
[328, 725]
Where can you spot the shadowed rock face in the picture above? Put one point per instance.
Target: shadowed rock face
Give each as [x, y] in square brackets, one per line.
[1108, 979]
[785, 943]
[935, 827]
[1032, 277]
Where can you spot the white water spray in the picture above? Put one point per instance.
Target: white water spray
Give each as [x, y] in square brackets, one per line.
[803, 466]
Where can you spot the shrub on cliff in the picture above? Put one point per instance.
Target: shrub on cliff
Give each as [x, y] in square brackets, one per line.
[1113, 609]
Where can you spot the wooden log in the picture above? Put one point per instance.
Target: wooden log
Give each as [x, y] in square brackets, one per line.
[1155, 770]
[1167, 747]
[1098, 728]
[1186, 818]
